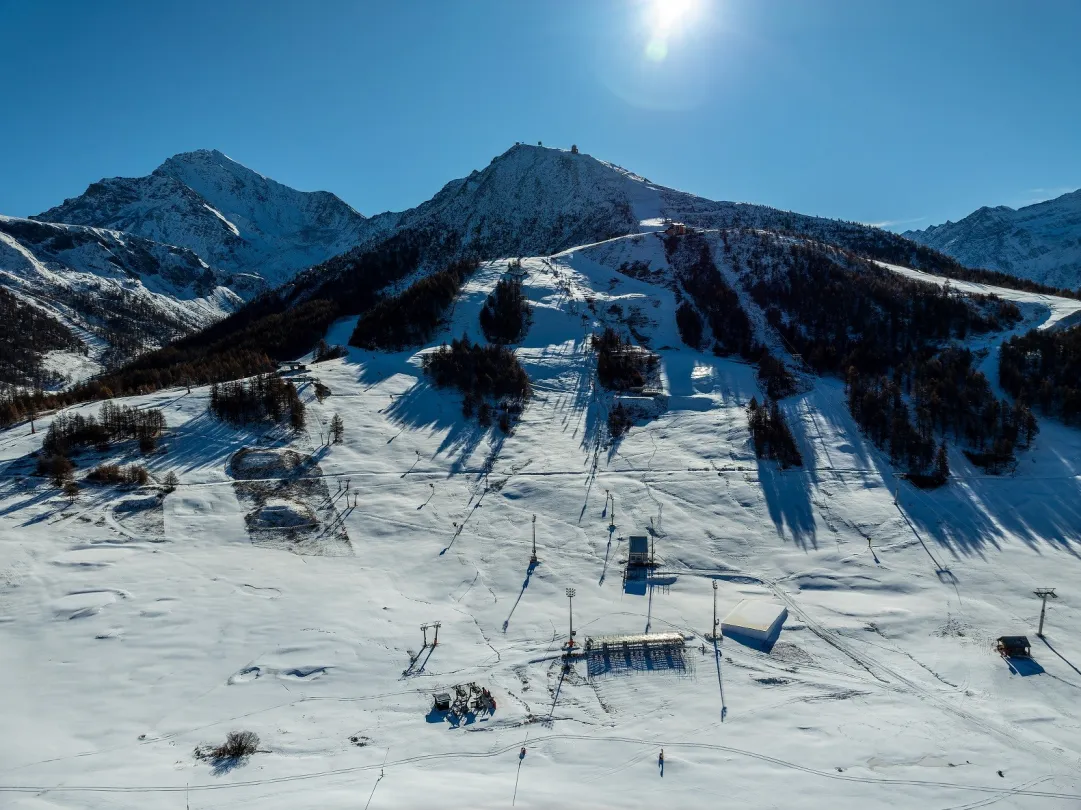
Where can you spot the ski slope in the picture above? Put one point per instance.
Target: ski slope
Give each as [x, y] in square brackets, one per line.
[133, 628]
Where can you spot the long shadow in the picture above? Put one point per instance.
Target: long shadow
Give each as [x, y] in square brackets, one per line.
[720, 679]
[424, 406]
[976, 512]
[1060, 655]
[788, 492]
[1024, 666]
[525, 584]
[206, 442]
[555, 698]
[607, 553]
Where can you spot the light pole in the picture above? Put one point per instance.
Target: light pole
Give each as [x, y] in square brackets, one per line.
[1044, 593]
[570, 607]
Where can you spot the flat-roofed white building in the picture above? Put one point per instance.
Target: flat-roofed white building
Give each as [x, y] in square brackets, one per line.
[756, 619]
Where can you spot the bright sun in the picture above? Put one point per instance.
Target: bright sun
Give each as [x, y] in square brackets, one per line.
[665, 19]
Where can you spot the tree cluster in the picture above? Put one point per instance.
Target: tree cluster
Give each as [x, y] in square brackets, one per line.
[774, 375]
[689, 323]
[771, 435]
[619, 420]
[481, 371]
[950, 397]
[840, 312]
[324, 351]
[69, 431]
[134, 474]
[265, 396]
[412, 316]
[732, 330]
[506, 315]
[1044, 368]
[621, 366]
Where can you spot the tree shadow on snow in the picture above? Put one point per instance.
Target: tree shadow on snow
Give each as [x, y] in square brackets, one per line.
[976, 511]
[788, 492]
[425, 407]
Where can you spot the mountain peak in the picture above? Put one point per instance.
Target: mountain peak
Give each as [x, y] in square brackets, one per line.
[1041, 241]
[235, 219]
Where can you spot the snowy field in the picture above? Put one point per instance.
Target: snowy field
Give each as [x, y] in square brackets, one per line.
[134, 628]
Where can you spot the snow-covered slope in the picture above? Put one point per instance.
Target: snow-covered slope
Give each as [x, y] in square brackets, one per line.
[135, 627]
[235, 219]
[1041, 242]
[116, 291]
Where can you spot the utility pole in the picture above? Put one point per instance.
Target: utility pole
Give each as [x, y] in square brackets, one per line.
[714, 638]
[570, 603]
[1043, 593]
[436, 625]
[533, 558]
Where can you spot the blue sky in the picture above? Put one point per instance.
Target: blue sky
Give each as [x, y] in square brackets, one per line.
[905, 113]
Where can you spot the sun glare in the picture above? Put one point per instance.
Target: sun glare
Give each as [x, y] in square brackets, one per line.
[665, 20]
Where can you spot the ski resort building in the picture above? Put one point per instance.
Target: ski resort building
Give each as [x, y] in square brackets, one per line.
[1014, 646]
[638, 546]
[755, 619]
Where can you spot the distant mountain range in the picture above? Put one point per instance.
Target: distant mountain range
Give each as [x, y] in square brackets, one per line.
[1041, 242]
[133, 263]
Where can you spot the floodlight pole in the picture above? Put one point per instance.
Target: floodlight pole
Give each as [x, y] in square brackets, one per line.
[612, 520]
[570, 604]
[435, 641]
[1044, 593]
[424, 630]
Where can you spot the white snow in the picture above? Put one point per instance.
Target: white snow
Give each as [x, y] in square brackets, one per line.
[123, 647]
[221, 216]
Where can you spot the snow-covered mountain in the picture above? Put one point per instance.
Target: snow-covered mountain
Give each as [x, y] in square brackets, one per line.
[233, 218]
[532, 200]
[1041, 242]
[116, 292]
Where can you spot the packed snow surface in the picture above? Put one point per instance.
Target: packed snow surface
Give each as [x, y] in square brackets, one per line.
[123, 647]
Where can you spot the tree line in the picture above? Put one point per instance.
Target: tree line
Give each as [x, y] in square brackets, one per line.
[411, 317]
[715, 298]
[1044, 368]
